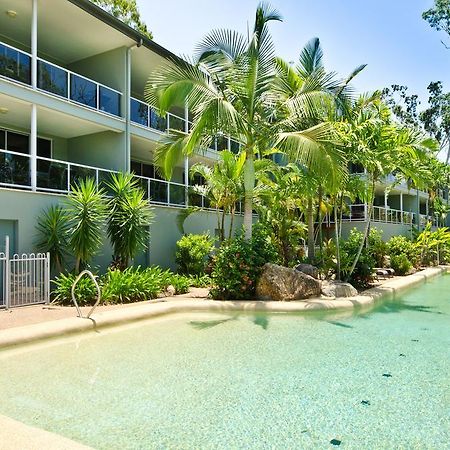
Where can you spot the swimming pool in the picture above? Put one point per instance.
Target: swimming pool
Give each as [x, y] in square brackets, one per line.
[378, 379]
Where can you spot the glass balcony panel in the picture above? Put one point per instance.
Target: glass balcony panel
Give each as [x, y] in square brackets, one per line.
[78, 173]
[206, 202]
[158, 191]
[139, 112]
[109, 101]
[157, 122]
[52, 79]
[52, 175]
[176, 123]
[15, 64]
[222, 143]
[234, 146]
[143, 183]
[177, 194]
[14, 169]
[104, 179]
[83, 91]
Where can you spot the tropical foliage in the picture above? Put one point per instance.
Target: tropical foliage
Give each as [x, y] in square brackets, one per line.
[192, 253]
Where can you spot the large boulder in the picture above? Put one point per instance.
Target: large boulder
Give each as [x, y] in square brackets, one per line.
[309, 269]
[280, 283]
[332, 288]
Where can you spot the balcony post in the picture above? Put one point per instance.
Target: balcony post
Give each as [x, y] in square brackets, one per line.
[34, 43]
[127, 101]
[401, 207]
[33, 147]
[186, 159]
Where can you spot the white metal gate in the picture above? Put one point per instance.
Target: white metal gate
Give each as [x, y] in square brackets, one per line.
[25, 279]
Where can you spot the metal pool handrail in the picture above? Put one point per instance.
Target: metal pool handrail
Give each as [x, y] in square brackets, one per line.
[89, 273]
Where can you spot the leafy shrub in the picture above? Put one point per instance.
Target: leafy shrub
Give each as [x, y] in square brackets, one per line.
[200, 281]
[401, 245]
[181, 283]
[363, 273]
[132, 284]
[401, 264]
[325, 259]
[377, 247]
[238, 264]
[192, 253]
[85, 290]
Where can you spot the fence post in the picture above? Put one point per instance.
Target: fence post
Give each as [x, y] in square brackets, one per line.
[47, 278]
[7, 273]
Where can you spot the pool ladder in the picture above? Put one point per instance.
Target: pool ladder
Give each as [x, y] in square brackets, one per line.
[90, 274]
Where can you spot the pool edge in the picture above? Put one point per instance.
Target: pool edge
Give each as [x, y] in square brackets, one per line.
[389, 290]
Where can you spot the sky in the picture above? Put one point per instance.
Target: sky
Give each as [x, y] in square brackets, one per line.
[389, 36]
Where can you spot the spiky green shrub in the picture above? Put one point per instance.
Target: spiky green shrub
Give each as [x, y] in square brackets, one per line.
[86, 209]
[52, 235]
[129, 218]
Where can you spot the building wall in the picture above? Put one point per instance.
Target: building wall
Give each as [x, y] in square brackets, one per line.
[388, 229]
[105, 150]
[19, 211]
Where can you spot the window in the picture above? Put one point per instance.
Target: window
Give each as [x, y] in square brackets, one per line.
[44, 148]
[145, 170]
[20, 143]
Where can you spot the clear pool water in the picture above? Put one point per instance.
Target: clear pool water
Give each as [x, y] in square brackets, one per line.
[379, 379]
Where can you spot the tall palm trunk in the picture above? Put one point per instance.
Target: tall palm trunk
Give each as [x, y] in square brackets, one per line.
[338, 251]
[366, 229]
[311, 241]
[230, 232]
[249, 185]
[320, 222]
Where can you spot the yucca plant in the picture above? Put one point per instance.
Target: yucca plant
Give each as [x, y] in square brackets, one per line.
[129, 218]
[86, 209]
[52, 227]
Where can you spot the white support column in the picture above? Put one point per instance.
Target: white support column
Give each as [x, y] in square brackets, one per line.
[186, 159]
[34, 43]
[127, 99]
[33, 147]
[401, 207]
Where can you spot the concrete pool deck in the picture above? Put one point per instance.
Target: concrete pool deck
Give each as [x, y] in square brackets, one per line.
[118, 314]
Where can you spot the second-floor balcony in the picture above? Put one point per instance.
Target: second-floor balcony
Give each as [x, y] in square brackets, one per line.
[359, 213]
[15, 65]
[58, 177]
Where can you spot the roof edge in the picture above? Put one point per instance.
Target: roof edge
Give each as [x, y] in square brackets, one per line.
[116, 23]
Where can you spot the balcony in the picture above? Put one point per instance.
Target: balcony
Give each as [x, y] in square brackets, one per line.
[55, 80]
[145, 115]
[58, 176]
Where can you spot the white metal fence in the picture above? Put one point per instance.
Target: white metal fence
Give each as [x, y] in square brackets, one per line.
[24, 279]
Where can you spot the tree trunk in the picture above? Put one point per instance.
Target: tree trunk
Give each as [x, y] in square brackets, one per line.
[319, 221]
[222, 227]
[338, 251]
[366, 230]
[77, 266]
[230, 232]
[249, 185]
[310, 218]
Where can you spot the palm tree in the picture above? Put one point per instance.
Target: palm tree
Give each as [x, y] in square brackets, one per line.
[232, 86]
[224, 186]
[129, 218]
[381, 147]
[309, 83]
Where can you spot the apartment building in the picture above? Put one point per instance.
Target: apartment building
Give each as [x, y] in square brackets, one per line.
[72, 81]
